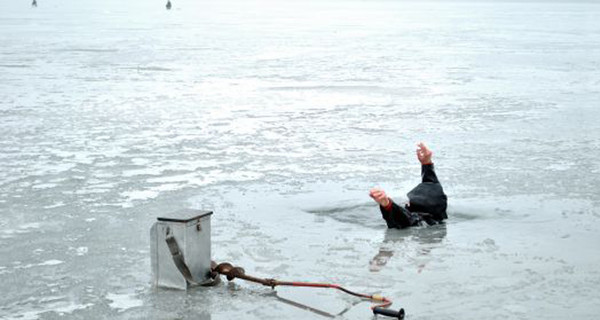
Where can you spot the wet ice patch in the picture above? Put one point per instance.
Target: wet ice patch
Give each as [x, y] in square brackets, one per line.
[139, 195]
[277, 53]
[488, 245]
[79, 251]
[140, 161]
[51, 262]
[167, 187]
[150, 171]
[564, 166]
[96, 188]
[122, 302]
[54, 168]
[59, 307]
[361, 214]
[191, 178]
[176, 178]
[241, 176]
[32, 225]
[55, 205]
[22, 229]
[44, 186]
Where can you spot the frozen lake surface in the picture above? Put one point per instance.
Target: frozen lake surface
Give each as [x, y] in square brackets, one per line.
[279, 116]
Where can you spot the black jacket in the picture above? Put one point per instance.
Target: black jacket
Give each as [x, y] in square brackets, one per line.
[427, 202]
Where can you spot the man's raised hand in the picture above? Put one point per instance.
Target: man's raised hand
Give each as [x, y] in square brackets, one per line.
[423, 153]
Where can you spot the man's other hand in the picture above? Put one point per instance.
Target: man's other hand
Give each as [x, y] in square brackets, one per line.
[379, 196]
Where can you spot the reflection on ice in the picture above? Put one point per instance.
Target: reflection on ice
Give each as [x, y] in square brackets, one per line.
[415, 241]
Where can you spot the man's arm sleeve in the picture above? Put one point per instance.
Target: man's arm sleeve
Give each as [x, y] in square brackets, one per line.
[428, 173]
[397, 217]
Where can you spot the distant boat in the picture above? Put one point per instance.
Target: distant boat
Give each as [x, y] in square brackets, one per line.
[168, 4]
[34, 3]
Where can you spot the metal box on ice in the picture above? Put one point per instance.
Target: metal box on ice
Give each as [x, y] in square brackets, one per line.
[189, 230]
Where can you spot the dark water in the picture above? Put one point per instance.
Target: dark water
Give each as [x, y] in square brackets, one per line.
[279, 116]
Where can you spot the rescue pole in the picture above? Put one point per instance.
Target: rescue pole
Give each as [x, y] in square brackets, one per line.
[231, 272]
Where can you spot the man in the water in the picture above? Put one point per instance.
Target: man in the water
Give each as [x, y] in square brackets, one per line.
[426, 202]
